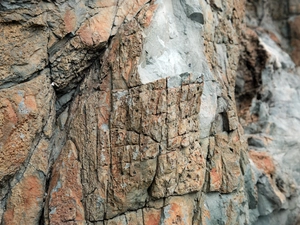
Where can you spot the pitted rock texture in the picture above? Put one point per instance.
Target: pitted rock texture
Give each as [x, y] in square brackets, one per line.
[267, 104]
[123, 112]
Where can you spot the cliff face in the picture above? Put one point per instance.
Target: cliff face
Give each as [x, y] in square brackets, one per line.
[267, 92]
[124, 112]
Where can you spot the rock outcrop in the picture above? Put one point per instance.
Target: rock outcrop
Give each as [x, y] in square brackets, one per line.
[267, 96]
[124, 112]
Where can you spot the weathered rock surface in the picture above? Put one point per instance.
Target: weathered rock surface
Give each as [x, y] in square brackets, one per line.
[268, 104]
[124, 112]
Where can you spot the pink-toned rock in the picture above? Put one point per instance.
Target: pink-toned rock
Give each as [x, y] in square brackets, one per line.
[126, 11]
[97, 29]
[152, 216]
[25, 204]
[26, 200]
[65, 191]
[23, 112]
[263, 161]
[70, 20]
[178, 211]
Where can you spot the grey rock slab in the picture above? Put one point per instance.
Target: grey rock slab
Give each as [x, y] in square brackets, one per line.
[193, 10]
[173, 45]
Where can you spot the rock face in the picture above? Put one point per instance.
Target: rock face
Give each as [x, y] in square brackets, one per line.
[124, 112]
[267, 105]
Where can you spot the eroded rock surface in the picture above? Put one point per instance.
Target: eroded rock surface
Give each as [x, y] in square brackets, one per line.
[123, 112]
[267, 102]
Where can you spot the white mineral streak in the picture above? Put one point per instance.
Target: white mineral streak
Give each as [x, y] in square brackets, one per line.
[174, 45]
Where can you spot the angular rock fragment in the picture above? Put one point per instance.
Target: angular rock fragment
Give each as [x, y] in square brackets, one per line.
[193, 10]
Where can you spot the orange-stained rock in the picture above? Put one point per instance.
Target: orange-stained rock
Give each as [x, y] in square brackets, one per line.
[263, 161]
[70, 20]
[216, 178]
[122, 142]
[127, 10]
[146, 18]
[25, 204]
[65, 191]
[97, 29]
[26, 200]
[30, 103]
[24, 112]
[10, 114]
[152, 216]
[178, 211]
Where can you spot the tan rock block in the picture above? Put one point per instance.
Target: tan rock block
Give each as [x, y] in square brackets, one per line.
[65, 190]
[216, 172]
[133, 138]
[30, 103]
[184, 126]
[40, 158]
[152, 216]
[173, 97]
[97, 29]
[119, 220]
[215, 178]
[191, 169]
[232, 175]
[173, 113]
[120, 110]
[174, 143]
[153, 126]
[263, 161]
[185, 141]
[179, 211]
[173, 129]
[129, 185]
[162, 102]
[222, 139]
[118, 137]
[70, 20]
[234, 141]
[166, 178]
[145, 17]
[127, 10]
[10, 113]
[21, 122]
[25, 203]
[149, 151]
[134, 218]
[23, 51]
